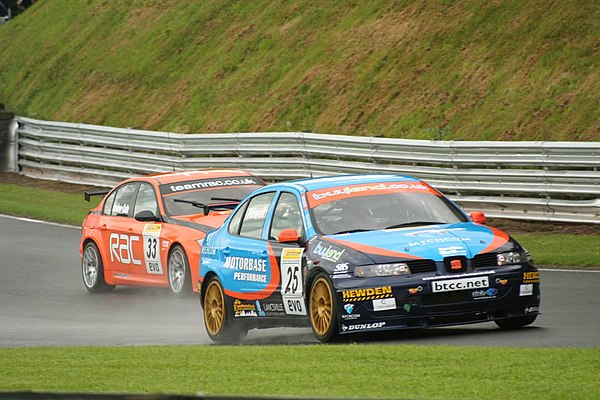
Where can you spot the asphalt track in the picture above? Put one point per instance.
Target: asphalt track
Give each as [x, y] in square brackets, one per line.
[43, 303]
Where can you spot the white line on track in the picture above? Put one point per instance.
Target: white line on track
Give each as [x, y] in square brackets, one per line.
[39, 222]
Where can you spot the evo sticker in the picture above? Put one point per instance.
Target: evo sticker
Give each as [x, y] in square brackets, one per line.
[292, 282]
[151, 250]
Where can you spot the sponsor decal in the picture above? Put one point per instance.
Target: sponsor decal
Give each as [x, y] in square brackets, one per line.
[484, 294]
[209, 250]
[243, 309]
[151, 251]
[362, 327]
[341, 268]
[328, 253]
[384, 304]
[407, 307]
[415, 290]
[445, 239]
[531, 277]
[526, 290]
[121, 248]
[367, 294]
[261, 313]
[349, 316]
[247, 269]
[452, 285]
[294, 305]
[452, 251]
[529, 310]
[273, 307]
[208, 183]
[317, 197]
[120, 209]
[339, 276]
[501, 281]
[120, 275]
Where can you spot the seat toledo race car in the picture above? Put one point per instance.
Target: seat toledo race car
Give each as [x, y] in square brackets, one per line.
[148, 230]
[364, 253]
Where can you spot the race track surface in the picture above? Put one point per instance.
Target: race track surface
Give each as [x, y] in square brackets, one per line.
[43, 303]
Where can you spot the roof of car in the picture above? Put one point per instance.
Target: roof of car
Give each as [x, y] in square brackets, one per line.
[343, 180]
[181, 176]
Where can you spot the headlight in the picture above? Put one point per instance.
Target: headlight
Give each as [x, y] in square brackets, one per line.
[513, 257]
[368, 271]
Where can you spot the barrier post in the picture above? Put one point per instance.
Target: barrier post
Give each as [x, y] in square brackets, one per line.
[8, 141]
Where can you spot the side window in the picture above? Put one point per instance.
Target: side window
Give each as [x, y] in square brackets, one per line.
[109, 203]
[123, 200]
[145, 200]
[236, 220]
[286, 216]
[255, 216]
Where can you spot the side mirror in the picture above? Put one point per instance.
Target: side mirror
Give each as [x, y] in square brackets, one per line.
[288, 236]
[146, 216]
[478, 217]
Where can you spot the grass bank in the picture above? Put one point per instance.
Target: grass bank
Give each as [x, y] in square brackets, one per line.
[342, 371]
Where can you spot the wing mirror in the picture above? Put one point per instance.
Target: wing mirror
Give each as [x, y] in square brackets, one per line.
[478, 217]
[146, 216]
[288, 236]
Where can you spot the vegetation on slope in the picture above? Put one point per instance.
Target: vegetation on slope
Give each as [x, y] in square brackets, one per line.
[470, 70]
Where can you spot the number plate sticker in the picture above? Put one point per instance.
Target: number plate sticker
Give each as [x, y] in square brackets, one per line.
[152, 249]
[292, 282]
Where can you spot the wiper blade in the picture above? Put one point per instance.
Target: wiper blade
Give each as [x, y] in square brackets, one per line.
[226, 199]
[351, 231]
[414, 223]
[192, 202]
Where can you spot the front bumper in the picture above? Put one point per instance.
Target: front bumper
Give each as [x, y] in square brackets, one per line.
[424, 300]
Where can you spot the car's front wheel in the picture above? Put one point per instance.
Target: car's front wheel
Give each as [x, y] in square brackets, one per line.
[178, 269]
[514, 323]
[216, 319]
[92, 270]
[323, 309]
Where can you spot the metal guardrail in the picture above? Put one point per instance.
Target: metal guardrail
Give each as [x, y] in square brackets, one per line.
[549, 181]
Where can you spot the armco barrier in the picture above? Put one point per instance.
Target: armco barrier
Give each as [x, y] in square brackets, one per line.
[549, 181]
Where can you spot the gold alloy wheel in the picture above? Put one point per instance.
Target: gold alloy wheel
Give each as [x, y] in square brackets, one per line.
[321, 307]
[214, 308]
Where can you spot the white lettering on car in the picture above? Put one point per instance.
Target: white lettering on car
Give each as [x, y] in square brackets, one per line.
[121, 248]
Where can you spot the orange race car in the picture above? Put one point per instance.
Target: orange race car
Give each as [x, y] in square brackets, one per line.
[148, 231]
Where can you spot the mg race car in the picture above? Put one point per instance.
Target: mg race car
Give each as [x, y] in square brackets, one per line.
[148, 230]
[361, 253]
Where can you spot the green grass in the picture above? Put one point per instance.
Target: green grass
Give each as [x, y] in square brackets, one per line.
[47, 205]
[342, 371]
[471, 70]
[560, 250]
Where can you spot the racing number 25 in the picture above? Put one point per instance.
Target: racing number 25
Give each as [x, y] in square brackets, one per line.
[293, 279]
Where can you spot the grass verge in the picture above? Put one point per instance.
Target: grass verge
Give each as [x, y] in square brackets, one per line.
[343, 371]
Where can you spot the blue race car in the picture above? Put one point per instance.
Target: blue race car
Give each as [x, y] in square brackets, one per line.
[360, 253]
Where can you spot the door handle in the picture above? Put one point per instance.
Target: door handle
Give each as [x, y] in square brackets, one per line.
[226, 251]
[264, 254]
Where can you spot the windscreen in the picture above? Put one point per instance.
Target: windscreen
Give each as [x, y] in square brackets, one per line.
[387, 205]
[187, 198]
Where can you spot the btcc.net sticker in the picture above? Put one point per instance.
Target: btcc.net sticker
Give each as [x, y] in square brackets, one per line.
[451, 285]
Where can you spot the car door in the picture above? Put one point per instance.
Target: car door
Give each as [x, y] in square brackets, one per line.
[249, 271]
[122, 245]
[290, 258]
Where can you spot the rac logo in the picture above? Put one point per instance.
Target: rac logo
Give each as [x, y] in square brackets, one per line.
[121, 249]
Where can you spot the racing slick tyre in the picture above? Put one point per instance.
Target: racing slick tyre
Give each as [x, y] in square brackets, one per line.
[322, 308]
[514, 323]
[92, 270]
[216, 319]
[178, 271]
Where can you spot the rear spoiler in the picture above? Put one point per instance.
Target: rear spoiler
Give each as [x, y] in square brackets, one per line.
[89, 193]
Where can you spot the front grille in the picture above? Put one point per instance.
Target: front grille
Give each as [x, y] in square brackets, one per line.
[417, 266]
[444, 298]
[486, 260]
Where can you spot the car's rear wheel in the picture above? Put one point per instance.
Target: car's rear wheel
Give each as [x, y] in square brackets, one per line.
[178, 269]
[323, 309]
[514, 323]
[217, 321]
[92, 270]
